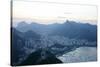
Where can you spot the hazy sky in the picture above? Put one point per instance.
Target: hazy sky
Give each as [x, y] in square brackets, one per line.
[48, 13]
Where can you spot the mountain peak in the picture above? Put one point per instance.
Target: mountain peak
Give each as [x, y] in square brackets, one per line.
[21, 24]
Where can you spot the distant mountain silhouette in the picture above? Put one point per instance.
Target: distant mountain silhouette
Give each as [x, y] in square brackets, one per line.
[41, 56]
[70, 29]
[24, 27]
[75, 30]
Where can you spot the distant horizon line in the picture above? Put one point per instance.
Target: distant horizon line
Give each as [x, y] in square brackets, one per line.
[66, 21]
[93, 21]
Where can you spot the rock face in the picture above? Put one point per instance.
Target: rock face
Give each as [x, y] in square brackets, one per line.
[40, 56]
